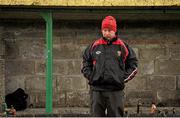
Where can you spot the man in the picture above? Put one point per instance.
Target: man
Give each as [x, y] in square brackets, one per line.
[108, 63]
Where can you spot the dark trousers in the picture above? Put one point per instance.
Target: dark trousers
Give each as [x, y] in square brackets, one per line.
[110, 101]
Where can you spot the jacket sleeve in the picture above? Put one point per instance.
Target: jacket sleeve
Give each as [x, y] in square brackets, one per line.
[87, 64]
[131, 64]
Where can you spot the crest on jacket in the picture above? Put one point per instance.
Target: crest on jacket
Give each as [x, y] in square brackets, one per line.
[98, 52]
[119, 53]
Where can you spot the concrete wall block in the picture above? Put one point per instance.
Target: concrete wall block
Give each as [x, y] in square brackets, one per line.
[78, 83]
[88, 35]
[2, 80]
[2, 67]
[175, 51]
[1, 30]
[57, 41]
[74, 40]
[158, 82]
[76, 26]
[8, 36]
[87, 40]
[69, 83]
[19, 67]
[137, 83]
[41, 100]
[67, 67]
[63, 83]
[2, 85]
[139, 94]
[167, 67]
[152, 33]
[32, 49]
[31, 97]
[146, 67]
[74, 67]
[12, 50]
[40, 82]
[67, 51]
[178, 82]
[60, 67]
[37, 99]
[40, 67]
[173, 35]
[143, 35]
[25, 27]
[168, 97]
[145, 97]
[36, 89]
[132, 102]
[152, 53]
[74, 98]
[2, 77]
[27, 30]
[13, 83]
[2, 47]
[164, 95]
[60, 99]
[25, 48]
[31, 34]
[76, 33]
[67, 33]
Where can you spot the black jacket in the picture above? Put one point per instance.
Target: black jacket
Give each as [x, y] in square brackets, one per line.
[109, 64]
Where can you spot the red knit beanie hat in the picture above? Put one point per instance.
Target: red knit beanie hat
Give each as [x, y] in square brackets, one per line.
[110, 23]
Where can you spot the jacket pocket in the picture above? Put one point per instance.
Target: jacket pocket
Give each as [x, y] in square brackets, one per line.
[92, 74]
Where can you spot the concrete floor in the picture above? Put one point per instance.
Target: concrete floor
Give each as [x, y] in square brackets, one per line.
[84, 112]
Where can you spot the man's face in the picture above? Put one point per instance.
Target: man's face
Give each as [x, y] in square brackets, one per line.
[107, 33]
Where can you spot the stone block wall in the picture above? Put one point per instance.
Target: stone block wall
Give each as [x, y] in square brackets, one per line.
[2, 65]
[156, 44]
[157, 48]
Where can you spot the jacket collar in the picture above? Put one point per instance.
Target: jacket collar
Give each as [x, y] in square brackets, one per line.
[110, 41]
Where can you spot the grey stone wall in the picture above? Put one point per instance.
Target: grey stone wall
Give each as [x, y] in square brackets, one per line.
[156, 44]
[2, 65]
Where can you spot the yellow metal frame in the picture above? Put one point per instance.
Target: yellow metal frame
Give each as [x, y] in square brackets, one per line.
[91, 2]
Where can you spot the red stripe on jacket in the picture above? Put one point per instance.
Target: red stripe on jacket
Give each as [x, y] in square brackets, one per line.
[98, 42]
[117, 42]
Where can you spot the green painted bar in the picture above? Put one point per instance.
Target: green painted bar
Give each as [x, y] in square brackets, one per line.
[48, 18]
